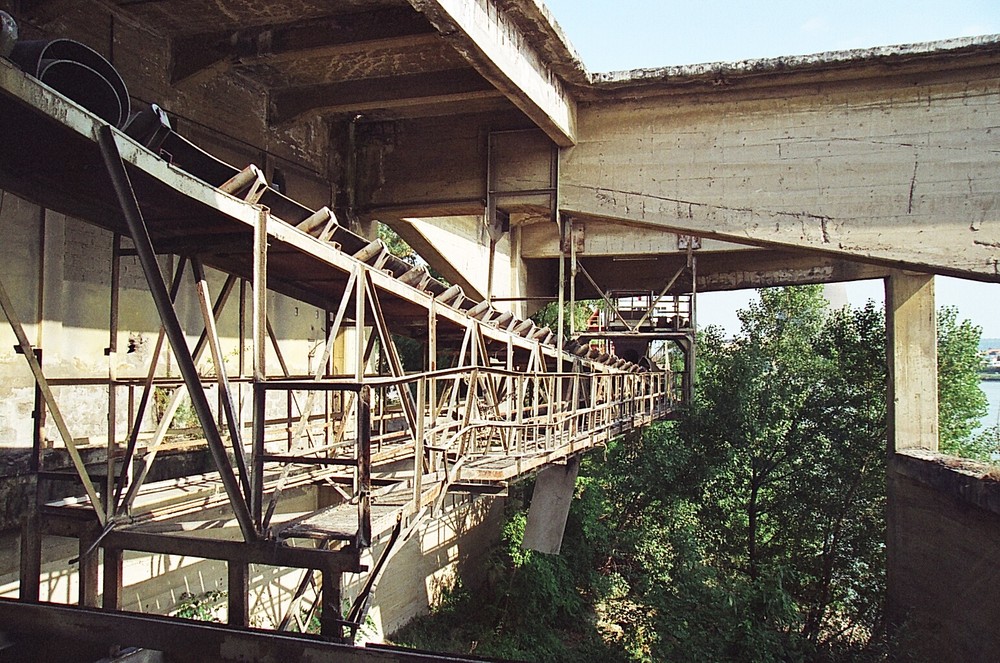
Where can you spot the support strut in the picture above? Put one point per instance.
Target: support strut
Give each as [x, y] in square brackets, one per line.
[175, 335]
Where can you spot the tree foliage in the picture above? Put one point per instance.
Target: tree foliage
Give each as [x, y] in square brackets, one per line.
[580, 313]
[961, 403]
[752, 529]
[397, 245]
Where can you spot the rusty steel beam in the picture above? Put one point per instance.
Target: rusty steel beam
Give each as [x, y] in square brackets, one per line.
[218, 359]
[55, 632]
[241, 552]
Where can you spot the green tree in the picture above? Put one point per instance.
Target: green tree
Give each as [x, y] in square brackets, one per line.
[397, 245]
[548, 315]
[790, 518]
[752, 529]
[961, 403]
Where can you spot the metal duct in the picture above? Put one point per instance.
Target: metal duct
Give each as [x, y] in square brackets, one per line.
[79, 73]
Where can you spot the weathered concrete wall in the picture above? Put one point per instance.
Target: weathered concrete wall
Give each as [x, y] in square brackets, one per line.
[58, 273]
[452, 545]
[943, 570]
[893, 168]
[427, 166]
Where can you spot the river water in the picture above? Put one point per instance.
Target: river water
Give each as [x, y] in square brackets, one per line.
[992, 390]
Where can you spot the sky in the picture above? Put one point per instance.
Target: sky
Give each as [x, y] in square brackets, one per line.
[614, 35]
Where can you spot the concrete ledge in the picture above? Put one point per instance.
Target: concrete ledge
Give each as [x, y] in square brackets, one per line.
[942, 573]
[853, 62]
[969, 481]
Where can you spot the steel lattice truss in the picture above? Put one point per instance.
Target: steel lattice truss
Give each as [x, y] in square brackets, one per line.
[495, 399]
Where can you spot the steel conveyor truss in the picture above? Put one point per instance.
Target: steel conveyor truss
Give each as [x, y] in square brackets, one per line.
[496, 398]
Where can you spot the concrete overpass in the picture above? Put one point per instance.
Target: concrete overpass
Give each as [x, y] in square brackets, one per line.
[475, 125]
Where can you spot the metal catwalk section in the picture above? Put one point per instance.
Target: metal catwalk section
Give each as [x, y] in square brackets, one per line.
[495, 399]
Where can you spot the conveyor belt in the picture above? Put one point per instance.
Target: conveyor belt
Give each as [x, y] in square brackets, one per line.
[492, 432]
[51, 157]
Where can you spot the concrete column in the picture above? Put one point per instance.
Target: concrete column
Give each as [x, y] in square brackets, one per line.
[911, 328]
[550, 502]
[912, 421]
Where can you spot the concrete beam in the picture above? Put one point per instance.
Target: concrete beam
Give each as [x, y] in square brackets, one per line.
[898, 171]
[194, 56]
[391, 92]
[720, 270]
[494, 44]
[624, 256]
[459, 248]
[892, 171]
[599, 237]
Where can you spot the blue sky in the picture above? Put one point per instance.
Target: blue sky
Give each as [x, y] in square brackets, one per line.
[628, 34]
[613, 35]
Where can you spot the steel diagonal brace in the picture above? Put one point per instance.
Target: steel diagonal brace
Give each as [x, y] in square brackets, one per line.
[167, 417]
[221, 376]
[654, 303]
[611, 305]
[175, 334]
[395, 364]
[50, 402]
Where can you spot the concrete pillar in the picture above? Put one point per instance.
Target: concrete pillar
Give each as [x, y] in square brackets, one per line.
[911, 328]
[911, 331]
[549, 509]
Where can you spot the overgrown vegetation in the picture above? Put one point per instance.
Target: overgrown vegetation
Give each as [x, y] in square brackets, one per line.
[962, 404]
[206, 607]
[580, 312]
[753, 530]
